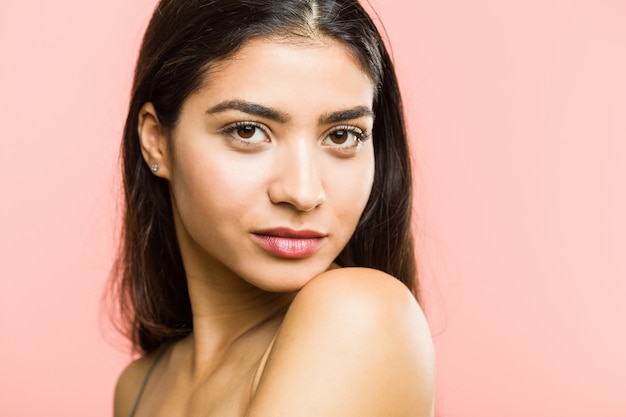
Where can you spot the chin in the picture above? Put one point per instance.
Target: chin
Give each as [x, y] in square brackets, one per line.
[289, 279]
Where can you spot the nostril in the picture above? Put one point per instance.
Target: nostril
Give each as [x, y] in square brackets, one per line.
[303, 194]
[302, 202]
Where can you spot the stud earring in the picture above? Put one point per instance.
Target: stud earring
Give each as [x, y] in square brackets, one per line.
[154, 167]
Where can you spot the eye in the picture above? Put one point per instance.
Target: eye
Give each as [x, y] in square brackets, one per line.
[247, 133]
[345, 139]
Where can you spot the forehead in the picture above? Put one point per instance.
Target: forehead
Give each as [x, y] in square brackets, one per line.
[286, 71]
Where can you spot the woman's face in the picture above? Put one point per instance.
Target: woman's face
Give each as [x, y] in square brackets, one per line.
[271, 163]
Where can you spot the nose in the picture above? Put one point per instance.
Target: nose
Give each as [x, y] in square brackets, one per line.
[296, 180]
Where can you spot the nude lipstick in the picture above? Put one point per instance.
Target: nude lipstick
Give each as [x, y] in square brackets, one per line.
[289, 243]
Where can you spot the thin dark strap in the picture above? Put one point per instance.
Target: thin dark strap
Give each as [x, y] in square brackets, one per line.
[145, 381]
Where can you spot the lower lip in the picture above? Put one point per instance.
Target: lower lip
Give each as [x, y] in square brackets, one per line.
[287, 247]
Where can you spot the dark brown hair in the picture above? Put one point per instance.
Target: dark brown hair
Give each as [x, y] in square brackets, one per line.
[181, 42]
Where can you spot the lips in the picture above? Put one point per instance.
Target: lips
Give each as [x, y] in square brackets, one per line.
[289, 243]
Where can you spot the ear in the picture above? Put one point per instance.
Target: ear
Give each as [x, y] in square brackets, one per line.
[154, 141]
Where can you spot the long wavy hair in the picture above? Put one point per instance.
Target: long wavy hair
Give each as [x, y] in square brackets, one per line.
[182, 41]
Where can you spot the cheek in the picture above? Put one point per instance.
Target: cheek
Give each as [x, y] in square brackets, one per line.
[211, 187]
[350, 188]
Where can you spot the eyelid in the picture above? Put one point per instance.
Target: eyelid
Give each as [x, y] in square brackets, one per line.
[352, 146]
[361, 134]
[230, 128]
[243, 123]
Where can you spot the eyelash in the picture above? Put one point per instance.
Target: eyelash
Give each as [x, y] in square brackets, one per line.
[350, 147]
[361, 135]
[232, 128]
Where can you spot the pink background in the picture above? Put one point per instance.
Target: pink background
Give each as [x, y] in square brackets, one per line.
[517, 113]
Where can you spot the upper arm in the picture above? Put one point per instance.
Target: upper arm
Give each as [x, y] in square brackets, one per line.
[354, 343]
[127, 386]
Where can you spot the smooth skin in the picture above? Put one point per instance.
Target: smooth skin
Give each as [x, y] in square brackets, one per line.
[279, 137]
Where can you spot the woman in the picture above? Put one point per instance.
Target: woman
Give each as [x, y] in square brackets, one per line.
[267, 265]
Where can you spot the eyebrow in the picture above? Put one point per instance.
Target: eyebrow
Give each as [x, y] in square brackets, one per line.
[281, 117]
[344, 115]
[250, 108]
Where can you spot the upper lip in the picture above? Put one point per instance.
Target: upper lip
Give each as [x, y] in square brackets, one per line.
[290, 233]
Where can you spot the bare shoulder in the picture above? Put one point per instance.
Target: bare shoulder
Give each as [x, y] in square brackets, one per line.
[362, 299]
[353, 343]
[128, 384]
[356, 285]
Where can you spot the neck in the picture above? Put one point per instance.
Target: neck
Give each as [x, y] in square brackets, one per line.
[225, 307]
[225, 310]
